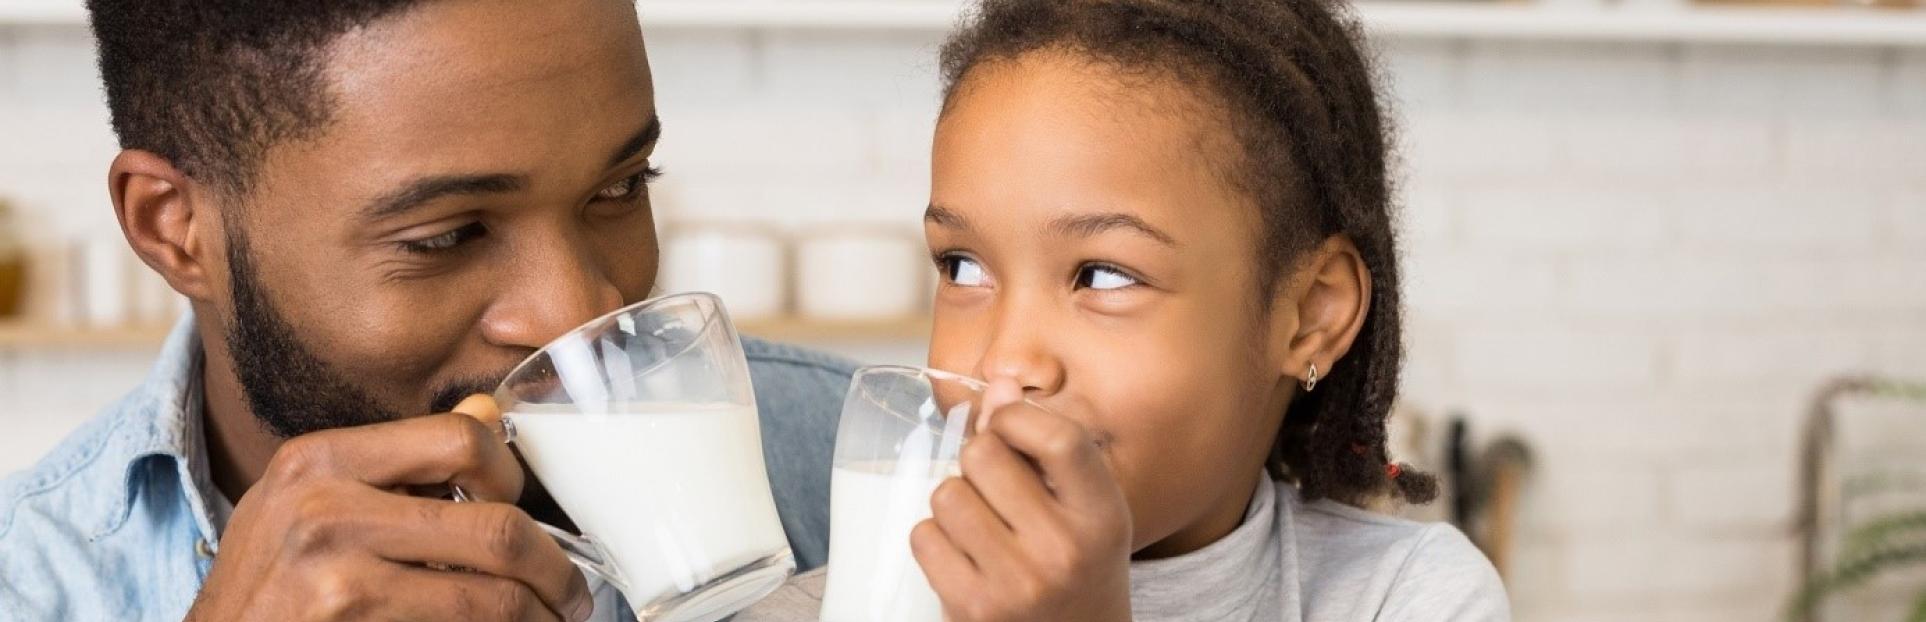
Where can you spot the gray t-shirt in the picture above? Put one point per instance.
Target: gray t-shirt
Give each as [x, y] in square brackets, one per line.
[1289, 561]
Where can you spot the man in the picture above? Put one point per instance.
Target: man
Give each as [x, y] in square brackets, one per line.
[376, 207]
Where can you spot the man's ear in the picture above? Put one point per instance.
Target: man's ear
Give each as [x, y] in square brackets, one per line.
[1321, 308]
[166, 220]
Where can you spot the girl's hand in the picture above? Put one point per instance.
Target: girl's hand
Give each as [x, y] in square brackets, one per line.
[1035, 529]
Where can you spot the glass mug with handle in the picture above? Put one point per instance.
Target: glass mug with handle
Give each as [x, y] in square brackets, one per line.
[901, 431]
[642, 424]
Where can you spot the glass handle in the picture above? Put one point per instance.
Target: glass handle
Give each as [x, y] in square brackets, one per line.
[582, 551]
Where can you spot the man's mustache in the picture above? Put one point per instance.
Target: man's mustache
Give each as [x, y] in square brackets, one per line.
[457, 390]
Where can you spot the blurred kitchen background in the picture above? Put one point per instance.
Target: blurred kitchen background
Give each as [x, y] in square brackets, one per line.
[1666, 263]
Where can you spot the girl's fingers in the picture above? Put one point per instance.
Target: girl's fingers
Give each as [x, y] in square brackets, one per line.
[972, 526]
[950, 572]
[1072, 464]
[1001, 392]
[1012, 486]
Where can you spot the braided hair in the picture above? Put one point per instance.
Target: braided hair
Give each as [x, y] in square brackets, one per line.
[1299, 89]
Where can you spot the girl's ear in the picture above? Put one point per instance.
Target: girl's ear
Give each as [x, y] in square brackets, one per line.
[1320, 309]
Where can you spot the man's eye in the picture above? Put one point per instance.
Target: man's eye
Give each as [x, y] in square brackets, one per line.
[1104, 277]
[445, 242]
[629, 186]
[961, 270]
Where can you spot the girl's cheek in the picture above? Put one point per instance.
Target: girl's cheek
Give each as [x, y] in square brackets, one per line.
[955, 342]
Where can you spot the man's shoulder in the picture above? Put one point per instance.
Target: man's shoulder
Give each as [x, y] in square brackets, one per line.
[64, 481]
[797, 372]
[771, 355]
[81, 482]
[55, 519]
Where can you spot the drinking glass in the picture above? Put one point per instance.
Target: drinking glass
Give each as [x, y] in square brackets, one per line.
[642, 424]
[901, 431]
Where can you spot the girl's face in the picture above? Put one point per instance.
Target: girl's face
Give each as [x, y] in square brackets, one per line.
[1093, 248]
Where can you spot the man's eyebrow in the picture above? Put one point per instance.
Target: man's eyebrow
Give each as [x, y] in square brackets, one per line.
[1086, 225]
[649, 134]
[945, 217]
[423, 190]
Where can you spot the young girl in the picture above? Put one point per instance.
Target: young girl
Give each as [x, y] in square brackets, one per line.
[1170, 224]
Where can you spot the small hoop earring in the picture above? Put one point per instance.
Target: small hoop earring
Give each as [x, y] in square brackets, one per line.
[1310, 379]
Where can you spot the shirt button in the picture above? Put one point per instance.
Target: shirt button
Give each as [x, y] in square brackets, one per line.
[203, 549]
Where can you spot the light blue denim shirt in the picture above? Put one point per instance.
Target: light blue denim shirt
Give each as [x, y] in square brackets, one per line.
[121, 521]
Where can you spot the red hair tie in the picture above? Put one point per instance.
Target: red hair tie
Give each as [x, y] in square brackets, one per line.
[1393, 470]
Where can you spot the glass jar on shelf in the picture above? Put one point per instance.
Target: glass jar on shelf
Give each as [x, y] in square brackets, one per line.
[13, 263]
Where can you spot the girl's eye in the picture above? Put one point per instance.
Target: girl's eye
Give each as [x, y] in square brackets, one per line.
[447, 241]
[961, 270]
[629, 187]
[1103, 277]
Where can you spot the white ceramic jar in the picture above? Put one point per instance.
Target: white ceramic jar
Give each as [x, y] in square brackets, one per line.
[859, 273]
[742, 264]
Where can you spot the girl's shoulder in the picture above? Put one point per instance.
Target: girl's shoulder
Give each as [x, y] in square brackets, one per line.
[1400, 569]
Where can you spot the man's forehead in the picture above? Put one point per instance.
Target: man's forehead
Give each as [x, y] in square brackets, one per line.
[510, 87]
[490, 54]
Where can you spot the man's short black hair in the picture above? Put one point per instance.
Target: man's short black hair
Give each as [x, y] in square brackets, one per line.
[212, 84]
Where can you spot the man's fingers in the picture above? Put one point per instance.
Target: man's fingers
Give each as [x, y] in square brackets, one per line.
[419, 451]
[428, 594]
[484, 409]
[1063, 449]
[491, 538]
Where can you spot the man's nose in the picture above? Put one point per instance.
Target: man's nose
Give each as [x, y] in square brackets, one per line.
[563, 293]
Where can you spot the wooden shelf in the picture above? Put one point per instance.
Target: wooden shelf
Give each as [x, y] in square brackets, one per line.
[799, 329]
[1416, 20]
[22, 336]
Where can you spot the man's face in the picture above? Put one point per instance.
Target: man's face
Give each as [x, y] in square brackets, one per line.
[476, 192]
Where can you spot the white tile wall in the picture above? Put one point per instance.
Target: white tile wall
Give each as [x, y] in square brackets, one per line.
[1781, 83]
[1907, 84]
[1640, 257]
[1906, 216]
[1731, 496]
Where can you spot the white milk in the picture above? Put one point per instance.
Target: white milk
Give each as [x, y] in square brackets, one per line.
[675, 493]
[873, 577]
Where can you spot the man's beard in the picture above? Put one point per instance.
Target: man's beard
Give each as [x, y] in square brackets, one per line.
[289, 388]
[293, 392]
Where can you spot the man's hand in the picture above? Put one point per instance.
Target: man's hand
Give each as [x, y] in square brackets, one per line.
[330, 533]
[1036, 529]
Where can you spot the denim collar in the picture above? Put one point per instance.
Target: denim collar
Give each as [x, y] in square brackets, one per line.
[158, 434]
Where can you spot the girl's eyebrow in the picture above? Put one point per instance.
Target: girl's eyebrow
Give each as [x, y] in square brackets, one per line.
[1072, 226]
[1087, 225]
[945, 217]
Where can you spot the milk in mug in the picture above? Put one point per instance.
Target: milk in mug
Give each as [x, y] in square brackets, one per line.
[676, 494]
[873, 577]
